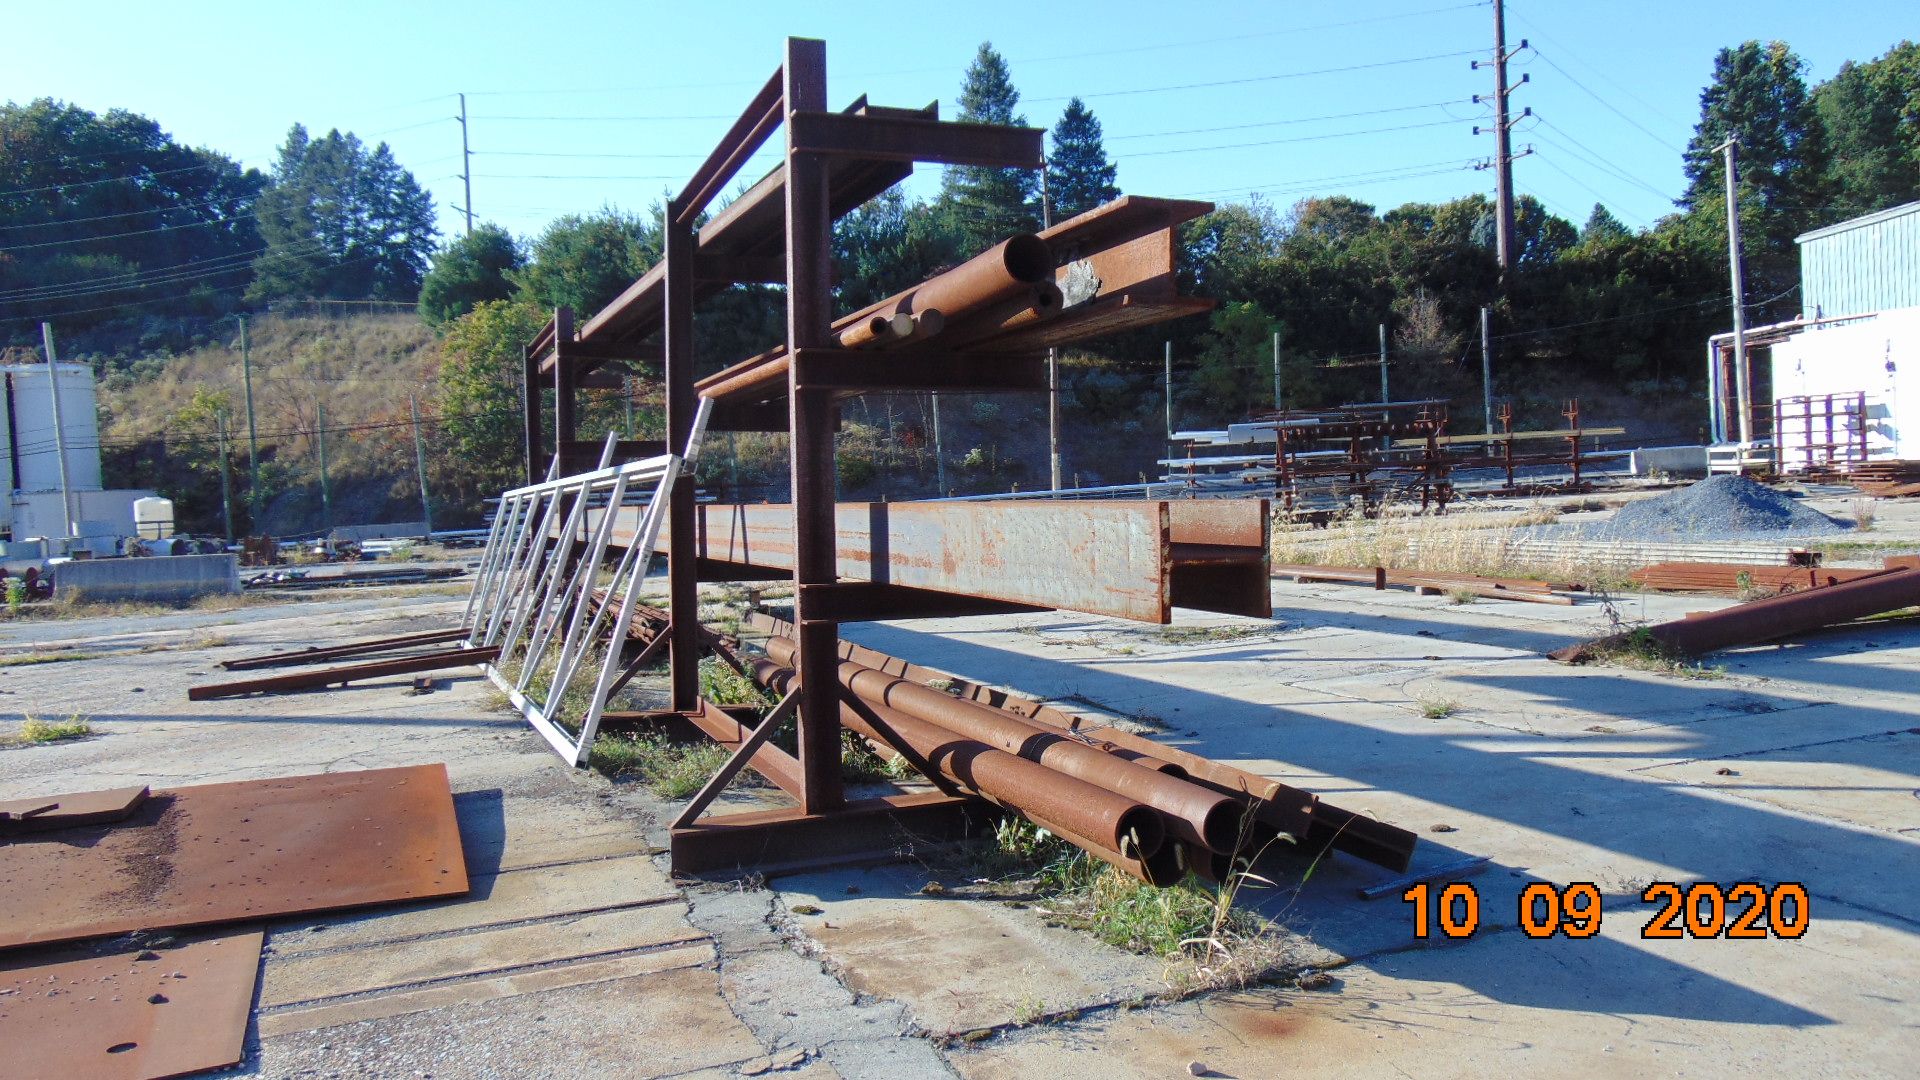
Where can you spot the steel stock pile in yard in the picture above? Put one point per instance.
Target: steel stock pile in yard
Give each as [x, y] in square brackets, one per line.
[1153, 811]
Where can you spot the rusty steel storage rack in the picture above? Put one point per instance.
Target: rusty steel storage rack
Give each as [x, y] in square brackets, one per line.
[779, 231]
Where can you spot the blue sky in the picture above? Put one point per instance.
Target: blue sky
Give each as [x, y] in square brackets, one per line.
[576, 105]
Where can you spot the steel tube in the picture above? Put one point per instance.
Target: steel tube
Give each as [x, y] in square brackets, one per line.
[1162, 868]
[1194, 814]
[1013, 268]
[1008, 780]
[1042, 302]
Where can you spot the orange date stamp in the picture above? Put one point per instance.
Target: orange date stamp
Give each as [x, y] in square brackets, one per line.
[1704, 910]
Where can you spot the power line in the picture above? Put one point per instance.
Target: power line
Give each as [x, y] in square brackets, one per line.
[148, 175]
[1551, 164]
[1588, 155]
[126, 213]
[1611, 107]
[1431, 168]
[1267, 78]
[1297, 139]
[1600, 71]
[1295, 120]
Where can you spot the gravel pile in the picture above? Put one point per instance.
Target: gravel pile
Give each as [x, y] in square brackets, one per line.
[1717, 508]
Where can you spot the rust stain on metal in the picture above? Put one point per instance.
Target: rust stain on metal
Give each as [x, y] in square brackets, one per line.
[138, 1015]
[221, 853]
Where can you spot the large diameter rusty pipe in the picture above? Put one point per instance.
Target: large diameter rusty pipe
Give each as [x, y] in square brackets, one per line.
[1115, 823]
[1164, 867]
[1042, 302]
[1194, 814]
[1008, 269]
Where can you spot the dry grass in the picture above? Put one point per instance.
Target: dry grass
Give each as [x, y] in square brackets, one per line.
[1199, 931]
[37, 732]
[26, 659]
[1467, 543]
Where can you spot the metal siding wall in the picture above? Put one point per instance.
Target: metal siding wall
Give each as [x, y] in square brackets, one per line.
[1875, 267]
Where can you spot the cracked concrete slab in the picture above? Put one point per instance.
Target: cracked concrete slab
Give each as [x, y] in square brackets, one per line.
[1505, 1005]
[958, 965]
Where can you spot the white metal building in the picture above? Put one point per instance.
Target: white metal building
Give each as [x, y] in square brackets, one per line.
[1845, 376]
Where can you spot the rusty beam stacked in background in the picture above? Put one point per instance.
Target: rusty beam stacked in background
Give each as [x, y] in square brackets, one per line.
[1706, 577]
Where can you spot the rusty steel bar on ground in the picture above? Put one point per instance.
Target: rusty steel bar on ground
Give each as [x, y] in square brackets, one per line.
[1777, 616]
[320, 655]
[376, 669]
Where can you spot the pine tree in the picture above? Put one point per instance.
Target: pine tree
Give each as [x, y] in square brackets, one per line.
[1759, 94]
[342, 223]
[985, 205]
[1602, 227]
[1079, 176]
[1871, 112]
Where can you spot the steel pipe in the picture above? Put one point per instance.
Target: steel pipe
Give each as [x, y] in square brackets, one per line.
[1021, 309]
[1013, 268]
[1119, 824]
[1194, 814]
[1162, 868]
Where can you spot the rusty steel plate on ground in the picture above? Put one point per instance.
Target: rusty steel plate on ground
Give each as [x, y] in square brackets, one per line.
[219, 853]
[69, 811]
[134, 1015]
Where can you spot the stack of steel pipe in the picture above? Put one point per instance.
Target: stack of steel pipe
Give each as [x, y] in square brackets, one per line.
[1004, 288]
[1138, 813]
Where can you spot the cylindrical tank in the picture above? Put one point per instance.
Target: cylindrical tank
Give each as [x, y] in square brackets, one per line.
[32, 436]
[152, 517]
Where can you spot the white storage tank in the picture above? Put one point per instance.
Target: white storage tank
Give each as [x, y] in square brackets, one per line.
[152, 517]
[31, 445]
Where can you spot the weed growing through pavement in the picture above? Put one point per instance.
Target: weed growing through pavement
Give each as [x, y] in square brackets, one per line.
[669, 769]
[37, 732]
[25, 659]
[1863, 514]
[1205, 938]
[1437, 708]
[1639, 650]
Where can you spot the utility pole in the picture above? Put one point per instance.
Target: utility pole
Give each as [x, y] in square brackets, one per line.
[466, 164]
[1276, 371]
[226, 478]
[1053, 354]
[59, 430]
[420, 463]
[1169, 394]
[1486, 368]
[253, 441]
[1741, 391]
[326, 497]
[939, 452]
[1503, 156]
[1383, 365]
